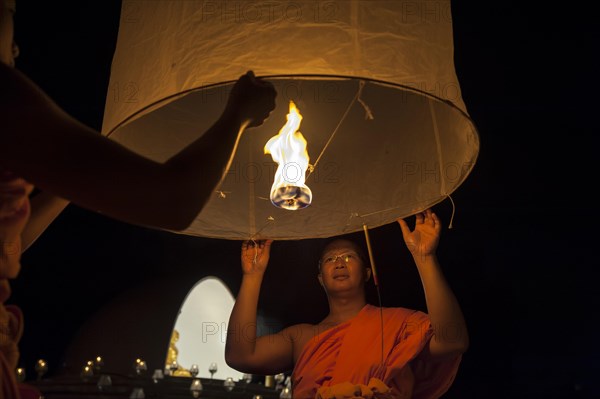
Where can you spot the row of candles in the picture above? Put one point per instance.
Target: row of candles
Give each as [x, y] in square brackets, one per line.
[41, 367]
[104, 381]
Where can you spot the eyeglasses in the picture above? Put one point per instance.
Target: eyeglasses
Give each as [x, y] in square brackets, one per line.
[332, 259]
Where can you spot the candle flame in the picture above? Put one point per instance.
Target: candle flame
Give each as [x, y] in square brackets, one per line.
[288, 149]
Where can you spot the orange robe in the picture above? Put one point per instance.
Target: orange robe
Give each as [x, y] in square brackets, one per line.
[11, 318]
[10, 333]
[352, 353]
[11, 330]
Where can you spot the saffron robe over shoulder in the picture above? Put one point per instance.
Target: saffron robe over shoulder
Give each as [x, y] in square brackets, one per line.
[352, 352]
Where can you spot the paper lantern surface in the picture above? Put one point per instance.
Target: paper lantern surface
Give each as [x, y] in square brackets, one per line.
[339, 62]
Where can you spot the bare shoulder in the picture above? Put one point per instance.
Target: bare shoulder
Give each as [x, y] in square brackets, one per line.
[299, 332]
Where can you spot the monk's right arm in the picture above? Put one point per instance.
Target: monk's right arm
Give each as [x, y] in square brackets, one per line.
[266, 355]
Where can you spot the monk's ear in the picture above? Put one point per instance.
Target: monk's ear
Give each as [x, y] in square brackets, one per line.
[320, 277]
[367, 274]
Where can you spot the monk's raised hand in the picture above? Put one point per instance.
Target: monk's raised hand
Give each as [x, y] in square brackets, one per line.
[424, 239]
[255, 256]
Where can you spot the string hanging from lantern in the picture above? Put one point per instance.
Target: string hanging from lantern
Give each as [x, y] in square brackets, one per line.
[369, 115]
[376, 281]
[453, 209]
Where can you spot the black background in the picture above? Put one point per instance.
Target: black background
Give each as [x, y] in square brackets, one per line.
[521, 257]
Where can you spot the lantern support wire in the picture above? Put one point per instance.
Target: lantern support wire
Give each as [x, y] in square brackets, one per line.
[369, 115]
[376, 281]
[453, 209]
[436, 132]
[393, 209]
[438, 144]
[251, 196]
[255, 245]
[256, 233]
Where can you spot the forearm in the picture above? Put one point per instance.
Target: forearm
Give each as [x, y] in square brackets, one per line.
[199, 169]
[444, 311]
[100, 175]
[53, 151]
[45, 207]
[241, 334]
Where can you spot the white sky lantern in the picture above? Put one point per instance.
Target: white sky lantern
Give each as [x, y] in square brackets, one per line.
[387, 129]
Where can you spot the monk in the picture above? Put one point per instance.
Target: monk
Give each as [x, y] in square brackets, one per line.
[345, 355]
[41, 145]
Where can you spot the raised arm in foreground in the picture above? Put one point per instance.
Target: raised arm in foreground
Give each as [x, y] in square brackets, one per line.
[449, 328]
[58, 154]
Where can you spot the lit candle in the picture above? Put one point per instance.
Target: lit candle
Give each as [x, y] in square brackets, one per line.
[288, 149]
[20, 374]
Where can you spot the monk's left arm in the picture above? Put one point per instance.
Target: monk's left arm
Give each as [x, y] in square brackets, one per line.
[450, 336]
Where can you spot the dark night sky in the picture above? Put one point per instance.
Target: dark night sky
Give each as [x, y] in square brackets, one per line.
[520, 258]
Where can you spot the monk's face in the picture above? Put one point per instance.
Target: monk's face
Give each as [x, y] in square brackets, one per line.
[341, 268]
[8, 48]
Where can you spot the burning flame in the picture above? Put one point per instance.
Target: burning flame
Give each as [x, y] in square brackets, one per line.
[288, 149]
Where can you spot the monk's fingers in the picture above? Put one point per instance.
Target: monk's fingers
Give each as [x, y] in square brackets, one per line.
[419, 218]
[429, 216]
[249, 245]
[404, 227]
[258, 244]
[437, 223]
[432, 219]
